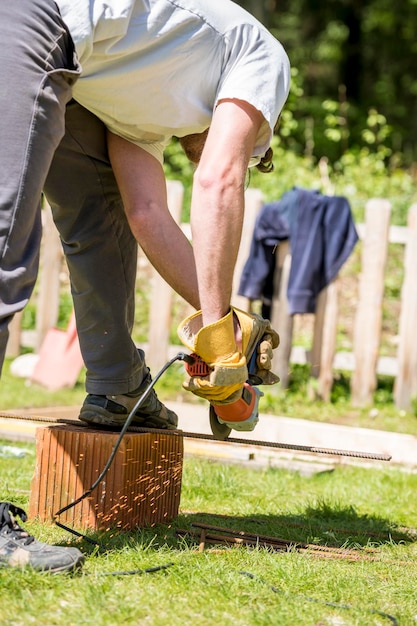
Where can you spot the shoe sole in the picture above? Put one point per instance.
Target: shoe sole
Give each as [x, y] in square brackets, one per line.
[97, 416]
[65, 568]
[77, 564]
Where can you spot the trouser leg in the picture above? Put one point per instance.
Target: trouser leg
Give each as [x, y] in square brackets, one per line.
[101, 253]
[37, 70]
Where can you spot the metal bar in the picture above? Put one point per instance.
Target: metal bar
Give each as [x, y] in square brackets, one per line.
[281, 545]
[272, 541]
[272, 444]
[179, 433]
[29, 418]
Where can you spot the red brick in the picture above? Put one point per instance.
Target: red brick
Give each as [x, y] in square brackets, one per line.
[142, 486]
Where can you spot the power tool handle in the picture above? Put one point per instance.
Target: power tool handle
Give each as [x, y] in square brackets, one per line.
[198, 367]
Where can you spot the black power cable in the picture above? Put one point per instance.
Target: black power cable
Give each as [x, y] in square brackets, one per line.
[335, 605]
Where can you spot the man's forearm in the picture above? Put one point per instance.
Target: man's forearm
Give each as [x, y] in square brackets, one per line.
[218, 203]
[171, 254]
[142, 185]
[216, 220]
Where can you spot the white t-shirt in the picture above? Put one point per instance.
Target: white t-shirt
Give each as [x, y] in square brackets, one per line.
[153, 69]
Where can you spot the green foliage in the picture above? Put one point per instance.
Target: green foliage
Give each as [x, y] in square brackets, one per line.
[64, 312]
[314, 135]
[178, 167]
[29, 316]
[65, 309]
[361, 54]
[378, 57]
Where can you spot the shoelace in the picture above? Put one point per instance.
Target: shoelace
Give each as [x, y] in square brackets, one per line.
[8, 524]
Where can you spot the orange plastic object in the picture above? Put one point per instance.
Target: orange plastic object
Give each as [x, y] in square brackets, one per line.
[238, 411]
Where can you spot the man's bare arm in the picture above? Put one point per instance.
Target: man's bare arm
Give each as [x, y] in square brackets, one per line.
[142, 185]
[218, 202]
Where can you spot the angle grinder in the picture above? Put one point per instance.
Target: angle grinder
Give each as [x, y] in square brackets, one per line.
[241, 415]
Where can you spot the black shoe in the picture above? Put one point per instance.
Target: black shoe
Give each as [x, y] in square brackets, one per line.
[113, 410]
[18, 548]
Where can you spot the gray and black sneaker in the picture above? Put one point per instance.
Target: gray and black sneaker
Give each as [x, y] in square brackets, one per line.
[113, 410]
[19, 549]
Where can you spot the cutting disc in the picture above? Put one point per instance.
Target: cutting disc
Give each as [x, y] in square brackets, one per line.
[219, 430]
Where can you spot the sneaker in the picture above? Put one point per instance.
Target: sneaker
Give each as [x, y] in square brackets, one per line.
[18, 548]
[114, 410]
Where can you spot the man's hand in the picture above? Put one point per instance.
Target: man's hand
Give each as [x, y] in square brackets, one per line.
[259, 336]
[216, 345]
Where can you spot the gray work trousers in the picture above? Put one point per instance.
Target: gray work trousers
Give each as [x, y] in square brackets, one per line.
[50, 143]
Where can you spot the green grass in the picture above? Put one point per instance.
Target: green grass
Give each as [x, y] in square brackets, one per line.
[295, 402]
[352, 506]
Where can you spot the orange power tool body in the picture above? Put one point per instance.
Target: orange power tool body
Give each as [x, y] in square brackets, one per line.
[241, 415]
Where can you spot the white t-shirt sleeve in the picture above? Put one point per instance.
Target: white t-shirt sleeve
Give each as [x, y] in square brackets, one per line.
[155, 149]
[258, 72]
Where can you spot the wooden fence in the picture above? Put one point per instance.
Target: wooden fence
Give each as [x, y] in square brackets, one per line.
[364, 360]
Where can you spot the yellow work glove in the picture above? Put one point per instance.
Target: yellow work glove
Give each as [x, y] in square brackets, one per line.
[215, 344]
[258, 334]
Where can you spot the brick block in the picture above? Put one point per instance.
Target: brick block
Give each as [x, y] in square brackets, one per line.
[142, 486]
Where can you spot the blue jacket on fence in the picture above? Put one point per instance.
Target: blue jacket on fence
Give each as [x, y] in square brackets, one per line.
[322, 235]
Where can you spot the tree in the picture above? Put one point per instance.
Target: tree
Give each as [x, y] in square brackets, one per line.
[359, 54]
[261, 9]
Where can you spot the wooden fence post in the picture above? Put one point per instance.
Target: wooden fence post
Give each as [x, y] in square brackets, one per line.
[253, 203]
[47, 304]
[162, 294]
[405, 388]
[325, 320]
[15, 332]
[369, 312]
[324, 339]
[47, 307]
[281, 320]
